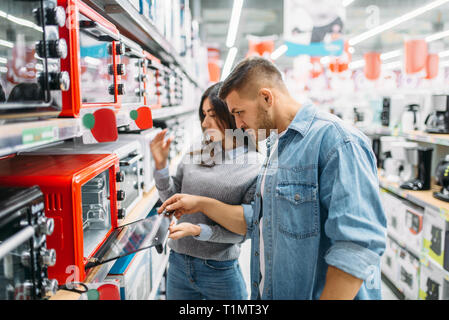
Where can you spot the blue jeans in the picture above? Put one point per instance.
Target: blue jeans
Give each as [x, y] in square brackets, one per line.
[190, 278]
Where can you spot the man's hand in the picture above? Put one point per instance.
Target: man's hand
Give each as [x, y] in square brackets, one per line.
[181, 204]
[182, 230]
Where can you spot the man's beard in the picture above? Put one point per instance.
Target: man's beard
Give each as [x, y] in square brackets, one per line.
[264, 122]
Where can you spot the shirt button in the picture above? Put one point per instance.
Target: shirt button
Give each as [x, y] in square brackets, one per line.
[256, 222]
[256, 254]
[258, 194]
[255, 283]
[297, 197]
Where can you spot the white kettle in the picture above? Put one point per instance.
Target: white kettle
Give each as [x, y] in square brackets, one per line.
[410, 118]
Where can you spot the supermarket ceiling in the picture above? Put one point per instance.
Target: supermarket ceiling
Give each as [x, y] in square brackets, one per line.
[265, 17]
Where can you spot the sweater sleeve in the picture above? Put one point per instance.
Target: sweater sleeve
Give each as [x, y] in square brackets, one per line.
[168, 185]
[218, 234]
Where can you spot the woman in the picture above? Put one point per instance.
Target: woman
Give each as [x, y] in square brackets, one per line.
[203, 262]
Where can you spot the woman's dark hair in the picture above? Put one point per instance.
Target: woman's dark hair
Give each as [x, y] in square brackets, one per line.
[225, 118]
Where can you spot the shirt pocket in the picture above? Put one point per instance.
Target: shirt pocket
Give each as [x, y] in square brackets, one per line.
[297, 207]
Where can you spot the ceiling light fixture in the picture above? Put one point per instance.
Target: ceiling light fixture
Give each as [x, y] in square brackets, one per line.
[279, 52]
[232, 53]
[393, 23]
[234, 22]
[346, 3]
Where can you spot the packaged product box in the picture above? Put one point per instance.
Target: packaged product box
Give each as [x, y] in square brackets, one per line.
[413, 228]
[408, 274]
[434, 281]
[133, 273]
[144, 8]
[436, 238]
[389, 266]
[394, 208]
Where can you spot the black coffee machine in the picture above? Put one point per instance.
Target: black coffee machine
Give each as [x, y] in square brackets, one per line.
[423, 178]
[442, 179]
[438, 120]
[385, 115]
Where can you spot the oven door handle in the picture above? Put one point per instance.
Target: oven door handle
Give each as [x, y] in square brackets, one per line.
[110, 36]
[16, 240]
[131, 161]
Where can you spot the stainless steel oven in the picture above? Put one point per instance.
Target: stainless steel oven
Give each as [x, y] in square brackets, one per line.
[31, 80]
[24, 257]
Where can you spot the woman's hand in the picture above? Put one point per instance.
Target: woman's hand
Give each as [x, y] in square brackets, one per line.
[182, 230]
[160, 149]
[181, 204]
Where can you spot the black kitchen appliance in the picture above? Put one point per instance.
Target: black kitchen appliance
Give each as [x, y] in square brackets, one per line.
[424, 164]
[433, 288]
[435, 242]
[438, 120]
[24, 257]
[442, 179]
[385, 115]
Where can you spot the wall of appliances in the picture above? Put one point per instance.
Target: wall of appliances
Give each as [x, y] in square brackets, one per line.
[409, 131]
[74, 208]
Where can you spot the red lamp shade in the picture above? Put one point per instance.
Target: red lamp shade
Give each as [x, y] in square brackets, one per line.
[372, 65]
[415, 55]
[317, 67]
[432, 64]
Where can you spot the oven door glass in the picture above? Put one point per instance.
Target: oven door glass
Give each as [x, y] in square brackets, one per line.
[20, 65]
[96, 211]
[131, 238]
[95, 60]
[130, 167]
[132, 80]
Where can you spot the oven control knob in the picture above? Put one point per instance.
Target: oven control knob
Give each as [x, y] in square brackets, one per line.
[120, 89]
[142, 185]
[120, 195]
[121, 69]
[25, 258]
[48, 257]
[50, 286]
[121, 213]
[56, 80]
[45, 226]
[111, 69]
[53, 16]
[119, 49]
[27, 290]
[141, 171]
[120, 176]
[111, 89]
[56, 49]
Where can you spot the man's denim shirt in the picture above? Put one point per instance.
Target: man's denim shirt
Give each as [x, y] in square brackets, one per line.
[321, 207]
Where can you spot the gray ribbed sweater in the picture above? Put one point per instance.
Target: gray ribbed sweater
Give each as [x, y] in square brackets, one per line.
[230, 183]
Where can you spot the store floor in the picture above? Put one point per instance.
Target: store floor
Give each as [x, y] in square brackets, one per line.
[244, 259]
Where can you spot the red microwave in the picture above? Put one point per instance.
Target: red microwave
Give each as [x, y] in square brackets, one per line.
[80, 194]
[93, 60]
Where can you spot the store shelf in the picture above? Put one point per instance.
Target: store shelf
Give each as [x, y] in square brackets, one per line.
[136, 27]
[439, 139]
[422, 198]
[17, 137]
[169, 112]
[159, 276]
[392, 287]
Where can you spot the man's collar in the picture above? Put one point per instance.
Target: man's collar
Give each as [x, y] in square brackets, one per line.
[303, 119]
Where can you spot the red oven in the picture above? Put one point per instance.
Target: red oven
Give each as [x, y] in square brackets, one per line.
[80, 195]
[93, 60]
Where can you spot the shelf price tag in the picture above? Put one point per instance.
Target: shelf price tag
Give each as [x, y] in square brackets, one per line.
[42, 134]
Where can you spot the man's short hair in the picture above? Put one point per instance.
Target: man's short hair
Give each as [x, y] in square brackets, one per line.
[249, 71]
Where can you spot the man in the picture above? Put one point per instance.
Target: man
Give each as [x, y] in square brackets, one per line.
[316, 224]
